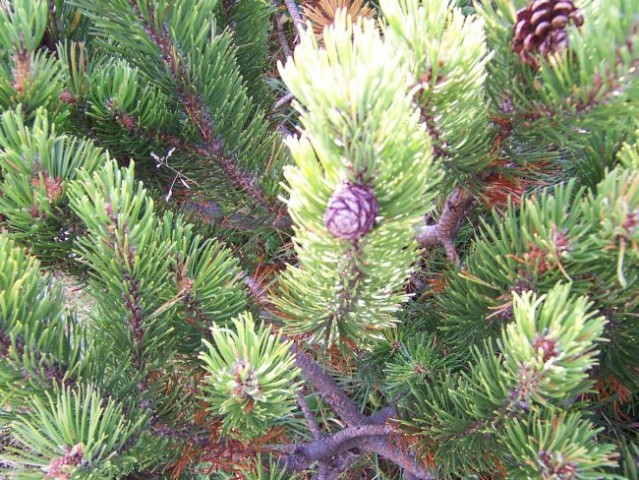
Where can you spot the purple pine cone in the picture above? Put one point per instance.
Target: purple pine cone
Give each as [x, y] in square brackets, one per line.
[351, 211]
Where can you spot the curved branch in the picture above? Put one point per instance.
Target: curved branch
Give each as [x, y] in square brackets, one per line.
[336, 453]
[458, 206]
[343, 440]
[299, 457]
[398, 453]
[327, 387]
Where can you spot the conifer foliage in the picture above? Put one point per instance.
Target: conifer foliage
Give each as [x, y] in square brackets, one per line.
[319, 239]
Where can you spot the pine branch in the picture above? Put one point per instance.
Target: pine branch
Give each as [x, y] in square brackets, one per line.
[193, 104]
[57, 373]
[381, 442]
[607, 85]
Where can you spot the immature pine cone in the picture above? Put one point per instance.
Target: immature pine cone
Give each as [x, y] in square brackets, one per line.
[351, 211]
[541, 28]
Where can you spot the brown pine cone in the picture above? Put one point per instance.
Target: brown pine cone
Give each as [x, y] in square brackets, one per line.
[351, 211]
[321, 13]
[541, 28]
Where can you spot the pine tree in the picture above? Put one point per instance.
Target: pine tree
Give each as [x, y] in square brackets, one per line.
[319, 239]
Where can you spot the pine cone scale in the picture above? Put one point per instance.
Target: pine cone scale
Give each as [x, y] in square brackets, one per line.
[578, 17]
[522, 29]
[541, 16]
[567, 7]
[543, 28]
[560, 21]
[539, 4]
[530, 43]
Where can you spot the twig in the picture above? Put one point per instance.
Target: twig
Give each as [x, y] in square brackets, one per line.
[164, 161]
[458, 206]
[340, 464]
[308, 415]
[284, 131]
[327, 387]
[283, 100]
[385, 414]
[258, 293]
[281, 36]
[398, 455]
[298, 21]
